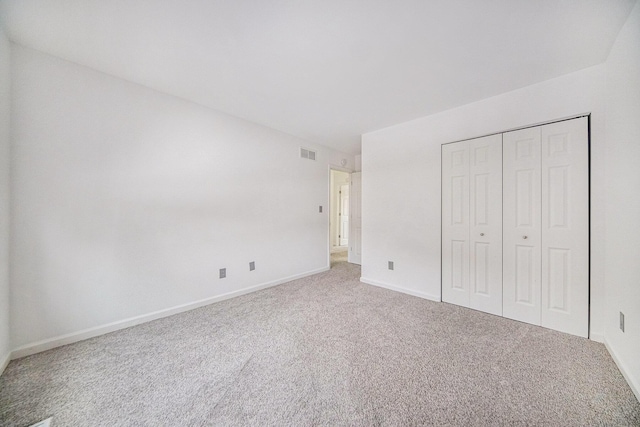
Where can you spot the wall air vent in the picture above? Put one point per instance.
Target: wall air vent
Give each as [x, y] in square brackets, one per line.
[307, 154]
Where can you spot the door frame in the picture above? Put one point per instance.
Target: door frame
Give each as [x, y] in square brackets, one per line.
[589, 188]
[330, 168]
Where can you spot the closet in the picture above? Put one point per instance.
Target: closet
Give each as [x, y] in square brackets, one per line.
[515, 225]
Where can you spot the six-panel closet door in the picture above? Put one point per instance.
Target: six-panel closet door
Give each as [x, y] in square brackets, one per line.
[522, 225]
[455, 223]
[472, 223]
[546, 226]
[515, 225]
[565, 226]
[485, 224]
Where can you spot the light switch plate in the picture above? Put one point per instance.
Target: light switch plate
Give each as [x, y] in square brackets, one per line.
[223, 273]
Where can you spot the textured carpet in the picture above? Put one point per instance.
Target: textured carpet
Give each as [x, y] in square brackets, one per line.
[338, 257]
[324, 350]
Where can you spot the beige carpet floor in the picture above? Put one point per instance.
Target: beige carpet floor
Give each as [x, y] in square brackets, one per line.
[338, 257]
[323, 350]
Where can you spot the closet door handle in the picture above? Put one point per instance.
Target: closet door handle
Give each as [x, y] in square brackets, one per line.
[524, 237]
[482, 234]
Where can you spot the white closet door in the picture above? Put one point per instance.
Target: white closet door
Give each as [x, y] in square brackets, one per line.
[485, 243]
[565, 226]
[455, 223]
[522, 225]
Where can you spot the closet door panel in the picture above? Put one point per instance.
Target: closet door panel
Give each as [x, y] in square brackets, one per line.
[455, 223]
[485, 241]
[522, 225]
[565, 226]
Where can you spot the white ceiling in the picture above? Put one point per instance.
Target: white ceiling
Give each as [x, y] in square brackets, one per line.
[324, 70]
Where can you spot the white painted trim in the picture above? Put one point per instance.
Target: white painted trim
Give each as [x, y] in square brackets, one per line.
[39, 346]
[4, 362]
[400, 289]
[596, 337]
[340, 168]
[633, 383]
[328, 210]
[523, 127]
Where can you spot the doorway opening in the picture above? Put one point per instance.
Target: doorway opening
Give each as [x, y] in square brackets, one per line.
[339, 201]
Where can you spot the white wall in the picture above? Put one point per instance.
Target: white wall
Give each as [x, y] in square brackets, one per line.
[338, 179]
[127, 201]
[4, 198]
[401, 180]
[623, 199]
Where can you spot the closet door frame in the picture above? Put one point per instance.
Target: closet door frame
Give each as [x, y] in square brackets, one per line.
[582, 330]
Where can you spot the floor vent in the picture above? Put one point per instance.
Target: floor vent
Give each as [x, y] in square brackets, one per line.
[307, 154]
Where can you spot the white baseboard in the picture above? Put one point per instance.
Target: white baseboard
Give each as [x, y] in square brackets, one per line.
[633, 382]
[400, 289]
[4, 362]
[39, 346]
[593, 336]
